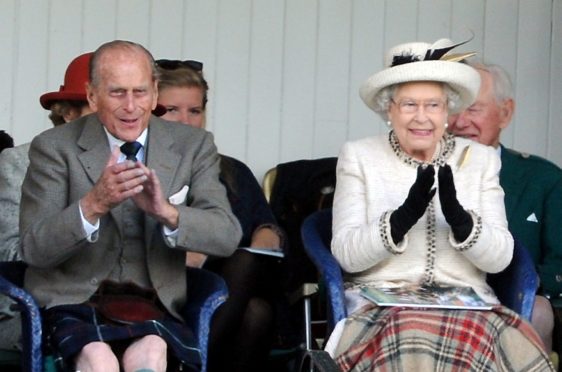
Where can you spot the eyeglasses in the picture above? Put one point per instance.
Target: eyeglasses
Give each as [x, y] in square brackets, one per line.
[174, 64]
[410, 106]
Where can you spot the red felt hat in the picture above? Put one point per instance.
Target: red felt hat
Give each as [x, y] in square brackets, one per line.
[75, 79]
[74, 88]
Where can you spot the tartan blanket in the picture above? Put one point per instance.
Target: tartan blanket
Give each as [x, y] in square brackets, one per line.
[398, 339]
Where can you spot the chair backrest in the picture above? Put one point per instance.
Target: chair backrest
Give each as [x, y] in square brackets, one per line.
[515, 286]
[300, 188]
[207, 291]
[11, 281]
[316, 237]
[268, 182]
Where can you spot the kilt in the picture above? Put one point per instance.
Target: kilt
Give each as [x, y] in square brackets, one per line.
[68, 328]
[410, 339]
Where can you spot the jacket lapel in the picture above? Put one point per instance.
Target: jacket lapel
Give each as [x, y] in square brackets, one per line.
[511, 177]
[93, 141]
[161, 157]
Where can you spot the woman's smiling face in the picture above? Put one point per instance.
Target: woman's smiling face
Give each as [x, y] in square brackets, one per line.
[418, 113]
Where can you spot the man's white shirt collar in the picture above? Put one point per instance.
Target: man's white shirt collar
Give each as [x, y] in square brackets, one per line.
[117, 142]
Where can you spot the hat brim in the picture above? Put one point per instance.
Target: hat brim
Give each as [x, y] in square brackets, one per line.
[462, 78]
[48, 99]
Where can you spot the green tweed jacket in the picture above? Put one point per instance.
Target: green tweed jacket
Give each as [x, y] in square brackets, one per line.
[533, 201]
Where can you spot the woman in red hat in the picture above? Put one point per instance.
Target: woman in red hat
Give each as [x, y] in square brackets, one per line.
[70, 102]
[66, 104]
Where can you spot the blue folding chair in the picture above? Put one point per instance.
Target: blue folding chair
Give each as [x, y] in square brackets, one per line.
[207, 291]
[515, 287]
[11, 279]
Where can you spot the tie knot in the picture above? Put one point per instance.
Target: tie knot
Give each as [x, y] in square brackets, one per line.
[130, 149]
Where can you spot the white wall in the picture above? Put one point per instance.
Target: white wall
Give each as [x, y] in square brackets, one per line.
[284, 74]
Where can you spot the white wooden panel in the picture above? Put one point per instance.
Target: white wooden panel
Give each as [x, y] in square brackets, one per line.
[137, 26]
[532, 83]
[367, 52]
[199, 31]
[299, 85]
[200, 44]
[100, 22]
[332, 77]
[8, 14]
[467, 19]
[265, 86]
[434, 20]
[555, 118]
[500, 45]
[401, 23]
[65, 43]
[231, 88]
[166, 28]
[30, 76]
[286, 108]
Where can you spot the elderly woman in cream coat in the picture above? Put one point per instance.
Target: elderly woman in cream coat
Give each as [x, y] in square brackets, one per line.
[421, 208]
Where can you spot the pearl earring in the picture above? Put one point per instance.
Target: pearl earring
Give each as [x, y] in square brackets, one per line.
[446, 125]
[389, 123]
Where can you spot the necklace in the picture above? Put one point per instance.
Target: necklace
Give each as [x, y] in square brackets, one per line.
[446, 148]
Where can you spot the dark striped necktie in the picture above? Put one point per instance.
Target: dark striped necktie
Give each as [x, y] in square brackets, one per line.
[130, 149]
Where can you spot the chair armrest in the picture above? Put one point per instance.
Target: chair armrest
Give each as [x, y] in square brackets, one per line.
[206, 292]
[517, 285]
[11, 272]
[316, 236]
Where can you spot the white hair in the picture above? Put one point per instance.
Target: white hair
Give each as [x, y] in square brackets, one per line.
[501, 82]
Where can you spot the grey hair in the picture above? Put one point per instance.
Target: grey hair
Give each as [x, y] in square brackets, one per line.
[501, 82]
[383, 99]
[118, 44]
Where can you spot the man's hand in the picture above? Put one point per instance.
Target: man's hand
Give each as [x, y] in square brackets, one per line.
[151, 200]
[118, 182]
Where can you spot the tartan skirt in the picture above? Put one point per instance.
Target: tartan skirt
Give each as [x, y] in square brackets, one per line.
[398, 339]
[68, 328]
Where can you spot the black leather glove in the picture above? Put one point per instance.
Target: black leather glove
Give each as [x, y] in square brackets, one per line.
[419, 196]
[459, 219]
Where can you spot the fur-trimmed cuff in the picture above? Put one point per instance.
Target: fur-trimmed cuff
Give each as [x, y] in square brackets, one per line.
[472, 237]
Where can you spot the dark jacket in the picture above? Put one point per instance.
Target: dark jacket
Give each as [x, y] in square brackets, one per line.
[533, 201]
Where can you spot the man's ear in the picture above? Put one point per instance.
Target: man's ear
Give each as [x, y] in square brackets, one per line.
[155, 94]
[507, 108]
[91, 96]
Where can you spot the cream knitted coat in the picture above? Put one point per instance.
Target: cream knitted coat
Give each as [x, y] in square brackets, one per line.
[373, 179]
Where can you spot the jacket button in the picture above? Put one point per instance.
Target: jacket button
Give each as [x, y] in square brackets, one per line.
[559, 278]
[94, 281]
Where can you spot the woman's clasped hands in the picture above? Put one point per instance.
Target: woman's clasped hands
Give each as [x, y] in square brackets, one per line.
[420, 195]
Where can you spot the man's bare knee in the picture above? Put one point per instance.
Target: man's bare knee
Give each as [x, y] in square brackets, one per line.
[148, 353]
[96, 356]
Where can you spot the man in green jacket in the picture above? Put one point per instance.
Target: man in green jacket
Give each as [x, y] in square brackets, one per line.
[532, 185]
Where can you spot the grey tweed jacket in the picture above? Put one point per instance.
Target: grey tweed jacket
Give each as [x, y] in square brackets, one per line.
[13, 165]
[66, 161]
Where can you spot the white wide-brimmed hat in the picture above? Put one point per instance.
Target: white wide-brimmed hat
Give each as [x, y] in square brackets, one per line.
[420, 61]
